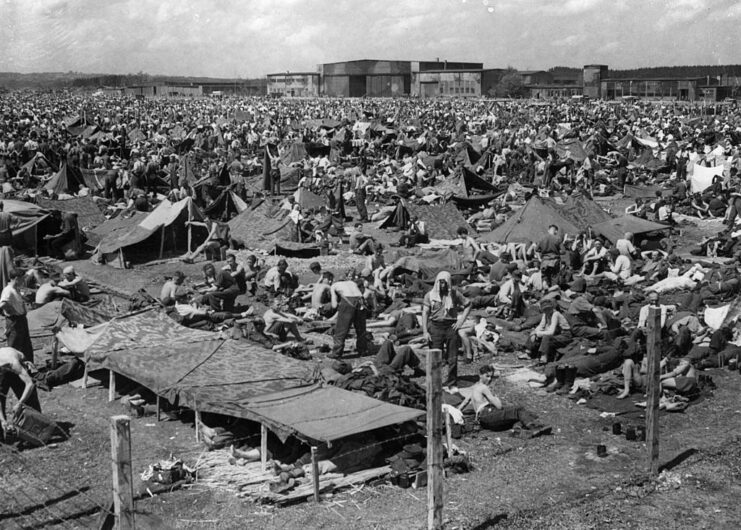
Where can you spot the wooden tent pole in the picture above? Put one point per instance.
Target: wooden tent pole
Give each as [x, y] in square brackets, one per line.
[315, 473]
[264, 446]
[162, 242]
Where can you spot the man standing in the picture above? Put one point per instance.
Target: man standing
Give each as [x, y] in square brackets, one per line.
[361, 182]
[347, 299]
[444, 310]
[16, 324]
[14, 375]
[549, 249]
[6, 223]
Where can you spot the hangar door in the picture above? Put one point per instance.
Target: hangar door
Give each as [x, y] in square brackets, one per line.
[357, 86]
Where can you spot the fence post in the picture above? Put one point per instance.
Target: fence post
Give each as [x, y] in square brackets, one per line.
[123, 485]
[434, 441]
[315, 473]
[653, 372]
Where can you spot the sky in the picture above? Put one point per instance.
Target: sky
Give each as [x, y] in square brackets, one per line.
[251, 38]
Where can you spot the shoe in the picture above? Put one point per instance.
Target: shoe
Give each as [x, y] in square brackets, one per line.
[559, 381]
[569, 378]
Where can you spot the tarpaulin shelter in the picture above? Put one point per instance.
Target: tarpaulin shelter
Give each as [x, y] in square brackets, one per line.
[426, 262]
[325, 414]
[583, 211]
[467, 189]
[27, 219]
[37, 163]
[226, 206]
[261, 225]
[68, 179]
[168, 220]
[192, 368]
[308, 200]
[468, 155]
[531, 222]
[702, 177]
[123, 222]
[615, 229]
[95, 178]
[60, 313]
[644, 191]
[571, 148]
[88, 214]
[441, 221]
[293, 153]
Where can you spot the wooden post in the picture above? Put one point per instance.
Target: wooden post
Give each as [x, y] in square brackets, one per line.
[315, 473]
[434, 441]
[448, 435]
[162, 242]
[111, 385]
[190, 237]
[198, 421]
[159, 408]
[123, 485]
[264, 446]
[54, 352]
[653, 347]
[84, 377]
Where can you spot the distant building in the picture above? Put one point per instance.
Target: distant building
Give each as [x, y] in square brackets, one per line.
[237, 87]
[294, 84]
[382, 78]
[163, 90]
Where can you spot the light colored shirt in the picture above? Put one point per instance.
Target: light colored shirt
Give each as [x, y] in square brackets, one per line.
[14, 303]
[643, 315]
[625, 247]
[622, 267]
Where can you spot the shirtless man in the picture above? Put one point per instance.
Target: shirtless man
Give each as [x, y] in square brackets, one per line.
[490, 412]
[14, 375]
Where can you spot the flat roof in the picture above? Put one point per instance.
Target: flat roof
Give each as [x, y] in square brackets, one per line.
[293, 73]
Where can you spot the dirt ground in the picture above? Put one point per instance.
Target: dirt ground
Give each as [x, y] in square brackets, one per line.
[554, 481]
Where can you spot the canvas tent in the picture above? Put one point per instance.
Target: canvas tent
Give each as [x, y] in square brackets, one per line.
[615, 229]
[165, 228]
[27, 219]
[67, 178]
[441, 221]
[308, 200]
[262, 224]
[226, 206]
[531, 222]
[467, 189]
[88, 214]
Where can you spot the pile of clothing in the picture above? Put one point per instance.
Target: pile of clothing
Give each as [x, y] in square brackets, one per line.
[385, 387]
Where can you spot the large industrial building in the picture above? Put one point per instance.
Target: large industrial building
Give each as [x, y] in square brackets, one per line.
[378, 78]
[294, 84]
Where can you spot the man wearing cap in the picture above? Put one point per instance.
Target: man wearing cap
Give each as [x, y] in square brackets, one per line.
[347, 298]
[75, 284]
[553, 332]
[510, 294]
[444, 311]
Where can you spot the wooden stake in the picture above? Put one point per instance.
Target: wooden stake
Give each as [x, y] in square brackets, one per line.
[264, 446]
[162, 242]
[315, 473]
[434, 441]
[448, 435]
[84, 377]
[190, 237]
[54, 352]
[198, 422]
[111, 385]
[653, 347]
[123, 485]
[159, 408]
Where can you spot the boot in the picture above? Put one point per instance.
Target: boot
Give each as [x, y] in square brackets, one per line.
[569, 378]
[559, 381]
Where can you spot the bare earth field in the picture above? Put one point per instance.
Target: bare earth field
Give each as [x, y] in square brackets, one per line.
[554, 481]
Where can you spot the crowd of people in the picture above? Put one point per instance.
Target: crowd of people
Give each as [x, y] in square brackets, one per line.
[579, 300]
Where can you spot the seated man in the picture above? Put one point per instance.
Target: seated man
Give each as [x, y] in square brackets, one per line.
[237, 271]
[394, 358]
[553, 332]
[75, 284]
[222, 290]
[278, 322]
[594, 259]
[279, 280]
[172, 289]
[14, 374]
[50, 291]
[490, 412]
[251, 271]
[361, 243]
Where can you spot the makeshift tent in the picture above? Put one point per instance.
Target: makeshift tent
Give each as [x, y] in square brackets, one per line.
[441, 221]
[60, 313]
[571, 148]
[261, 225]
[37, 164]
[293, 153]
[95, 178]
[123, 222]
[468, 155]
[226, 206]
[531, 222]
[294, 249]
[168, 220]
[426, 262]
[68, 179]
[27, 219]
[702, 177]
[308, 200]
[583, 211]
[325, 414]
[88, 214]
[644, 191]
[615, 229]
[192, 368]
